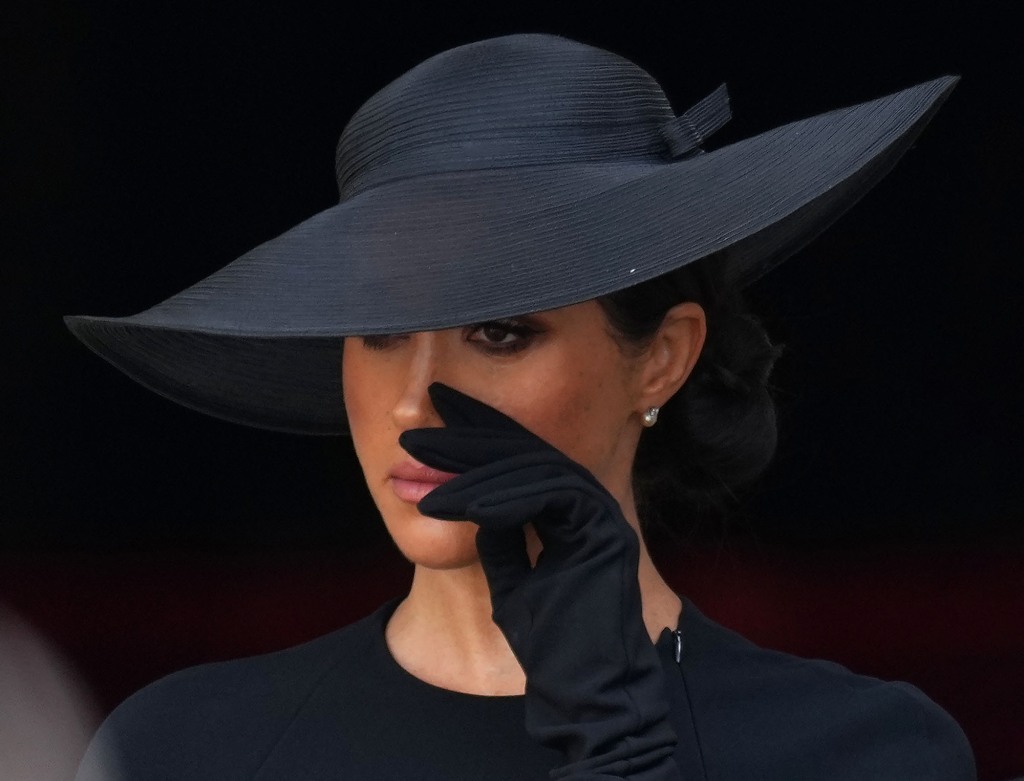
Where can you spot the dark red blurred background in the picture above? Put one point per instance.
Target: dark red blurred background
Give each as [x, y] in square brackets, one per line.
[150, 144]
[946, 620]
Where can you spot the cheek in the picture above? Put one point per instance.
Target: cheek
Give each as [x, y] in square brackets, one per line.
[583, 412]
[356, 382]
[352, 390]
[366, 407]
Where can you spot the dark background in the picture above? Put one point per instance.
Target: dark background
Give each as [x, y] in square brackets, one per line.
[152, 143]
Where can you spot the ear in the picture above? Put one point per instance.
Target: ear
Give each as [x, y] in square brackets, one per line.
[672, 354]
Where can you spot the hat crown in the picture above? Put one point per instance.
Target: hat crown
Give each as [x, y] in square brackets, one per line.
[519, 100]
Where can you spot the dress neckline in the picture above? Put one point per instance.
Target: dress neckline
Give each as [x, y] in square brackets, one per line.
[669, 645]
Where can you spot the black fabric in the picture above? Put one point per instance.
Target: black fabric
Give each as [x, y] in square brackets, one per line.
[687, 133]
[526, 173]
[595, 690]
[340, 707]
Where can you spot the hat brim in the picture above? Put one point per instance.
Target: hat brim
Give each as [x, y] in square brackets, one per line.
[259, 342]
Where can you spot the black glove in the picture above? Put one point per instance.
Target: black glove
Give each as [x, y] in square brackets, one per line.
[594, 683]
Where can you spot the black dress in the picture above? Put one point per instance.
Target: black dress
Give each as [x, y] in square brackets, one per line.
[340, 707]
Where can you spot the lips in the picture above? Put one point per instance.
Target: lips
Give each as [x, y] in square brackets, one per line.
[411, 480]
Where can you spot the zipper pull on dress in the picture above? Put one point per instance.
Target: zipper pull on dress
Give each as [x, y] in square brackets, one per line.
[678, 636]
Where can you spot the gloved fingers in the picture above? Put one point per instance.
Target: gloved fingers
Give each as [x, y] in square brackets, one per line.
[573, 523]
[450, 501]
[574, 520]
[474, 434]
[505, 560]
[458, 410]
[460, 449]
[601, 537]
[505, 494]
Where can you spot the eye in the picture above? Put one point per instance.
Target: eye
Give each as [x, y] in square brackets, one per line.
[379, 341]
[502, 336]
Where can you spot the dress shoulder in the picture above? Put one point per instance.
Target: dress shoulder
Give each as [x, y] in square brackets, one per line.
[219, 720]
[763, 714]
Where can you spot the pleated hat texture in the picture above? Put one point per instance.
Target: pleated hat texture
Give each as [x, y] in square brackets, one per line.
[499, 178]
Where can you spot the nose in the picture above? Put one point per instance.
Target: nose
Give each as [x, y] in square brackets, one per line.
[413, 408]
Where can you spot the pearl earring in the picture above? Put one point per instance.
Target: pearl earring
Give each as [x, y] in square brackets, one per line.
[650, 417]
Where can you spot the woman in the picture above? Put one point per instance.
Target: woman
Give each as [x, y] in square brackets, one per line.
[532, 289]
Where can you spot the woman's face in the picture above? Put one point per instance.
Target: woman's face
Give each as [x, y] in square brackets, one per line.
[559, 373]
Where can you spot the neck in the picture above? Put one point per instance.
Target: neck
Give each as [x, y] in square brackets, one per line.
[443, 634]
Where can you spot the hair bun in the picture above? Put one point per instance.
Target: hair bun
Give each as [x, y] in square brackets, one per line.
[718, 433]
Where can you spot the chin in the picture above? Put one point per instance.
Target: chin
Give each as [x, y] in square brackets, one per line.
[429, 542]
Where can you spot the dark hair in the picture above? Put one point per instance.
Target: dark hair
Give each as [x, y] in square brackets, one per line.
[718, 433]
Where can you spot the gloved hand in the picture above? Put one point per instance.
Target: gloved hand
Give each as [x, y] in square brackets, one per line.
[595, 688]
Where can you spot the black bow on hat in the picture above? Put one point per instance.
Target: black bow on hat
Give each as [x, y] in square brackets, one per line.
[499, 178]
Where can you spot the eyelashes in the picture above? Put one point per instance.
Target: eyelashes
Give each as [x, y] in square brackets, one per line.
[494, 337]
[503, 336]
[379, 341]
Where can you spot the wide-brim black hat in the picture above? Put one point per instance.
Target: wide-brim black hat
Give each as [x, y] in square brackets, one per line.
[503, 177]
